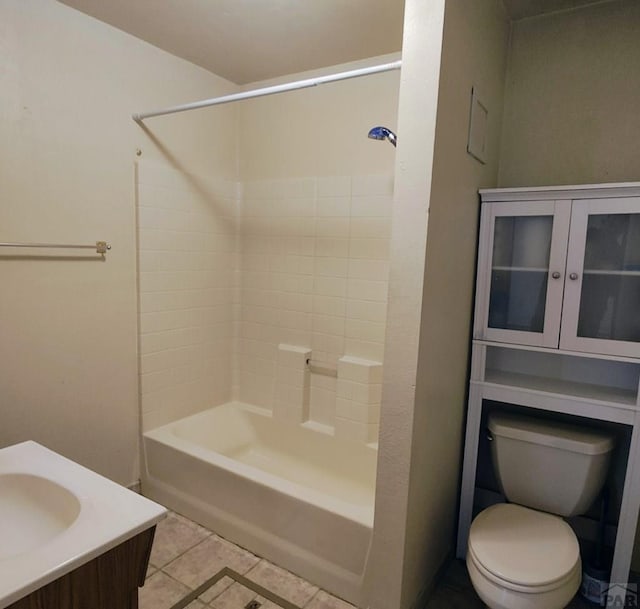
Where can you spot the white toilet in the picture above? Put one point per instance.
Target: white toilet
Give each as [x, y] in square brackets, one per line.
[528, 557]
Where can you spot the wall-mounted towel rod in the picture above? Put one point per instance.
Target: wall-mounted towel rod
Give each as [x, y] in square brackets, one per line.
[101, 247]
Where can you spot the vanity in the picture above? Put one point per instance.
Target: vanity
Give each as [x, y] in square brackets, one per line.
[70, 537]
[557, 335]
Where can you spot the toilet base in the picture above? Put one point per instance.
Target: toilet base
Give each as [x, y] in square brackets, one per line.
[498, 597]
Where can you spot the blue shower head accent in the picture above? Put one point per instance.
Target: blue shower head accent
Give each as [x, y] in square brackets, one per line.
[382, 133]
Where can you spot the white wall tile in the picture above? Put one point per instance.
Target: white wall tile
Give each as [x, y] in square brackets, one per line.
[368, 206]
[338, 186]
[372, 185]
[370, 227]
[332, 226]
[333, 206]
[371, 249]
[187, 249]
[363, 289]
[244, 268]
[332, 267]
[368, 269]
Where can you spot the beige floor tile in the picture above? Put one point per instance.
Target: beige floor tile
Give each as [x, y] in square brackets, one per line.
[323, 600]
[281, 582]
[161, 592]
[150, 571]
[174, 536]
[196, 605]
[207, 558]
[218, 588]
[234, 597]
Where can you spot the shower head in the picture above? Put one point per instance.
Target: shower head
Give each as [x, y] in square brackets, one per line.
[382, 133]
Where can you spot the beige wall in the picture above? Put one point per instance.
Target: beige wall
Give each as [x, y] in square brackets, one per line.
[423, 30]
[68, 328]
[321, 131]
[426, 375]
[571, 102]
[571, 98]
[474, 54]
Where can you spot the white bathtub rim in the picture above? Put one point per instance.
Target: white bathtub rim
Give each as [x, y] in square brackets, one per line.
[328, 575]
[360, 514]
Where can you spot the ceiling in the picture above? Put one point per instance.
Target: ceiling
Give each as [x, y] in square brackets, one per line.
[251, 40]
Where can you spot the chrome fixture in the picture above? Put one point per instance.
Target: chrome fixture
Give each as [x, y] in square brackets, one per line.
[101, 247]
[382, 133]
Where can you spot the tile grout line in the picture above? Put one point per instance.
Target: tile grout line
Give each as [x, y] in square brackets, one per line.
[207, 536]
[312, 597]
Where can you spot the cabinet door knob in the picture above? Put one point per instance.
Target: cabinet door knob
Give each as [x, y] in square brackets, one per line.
[555, 275]
[573, 276]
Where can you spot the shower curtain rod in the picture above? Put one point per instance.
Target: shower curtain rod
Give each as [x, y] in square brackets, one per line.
[291, 86]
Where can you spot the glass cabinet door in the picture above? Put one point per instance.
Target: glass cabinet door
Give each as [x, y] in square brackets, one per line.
[602, 294]
[526, 268]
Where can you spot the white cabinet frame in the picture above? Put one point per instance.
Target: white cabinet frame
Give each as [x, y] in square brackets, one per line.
[580, 212]
[480, 390]
[560, 213]
[570, 206]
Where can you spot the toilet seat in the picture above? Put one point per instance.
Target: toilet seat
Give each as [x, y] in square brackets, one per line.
[523, 550]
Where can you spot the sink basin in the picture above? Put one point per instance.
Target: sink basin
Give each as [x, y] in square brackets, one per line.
[33, 511]
[56, 516]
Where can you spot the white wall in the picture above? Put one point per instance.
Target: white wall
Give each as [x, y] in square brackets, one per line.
[430, 306]
[571, 98]
[68, 328]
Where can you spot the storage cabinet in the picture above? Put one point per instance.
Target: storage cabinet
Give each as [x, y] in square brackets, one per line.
[561, 272]
[557, 327]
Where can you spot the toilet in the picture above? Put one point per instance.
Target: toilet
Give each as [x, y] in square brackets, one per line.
[522, 554]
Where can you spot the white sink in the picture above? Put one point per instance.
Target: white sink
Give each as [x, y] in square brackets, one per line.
[33, 510]
[56, 515]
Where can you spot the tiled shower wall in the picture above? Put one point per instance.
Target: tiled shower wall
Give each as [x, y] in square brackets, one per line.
[188, 260]
[314, 268]
[225, 279]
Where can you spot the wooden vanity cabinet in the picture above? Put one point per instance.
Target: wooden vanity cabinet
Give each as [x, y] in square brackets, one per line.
[110, 581]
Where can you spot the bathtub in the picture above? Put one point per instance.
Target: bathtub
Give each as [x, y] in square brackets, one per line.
[296, 496]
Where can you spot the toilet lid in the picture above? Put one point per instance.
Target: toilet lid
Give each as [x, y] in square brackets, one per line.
[523, 546]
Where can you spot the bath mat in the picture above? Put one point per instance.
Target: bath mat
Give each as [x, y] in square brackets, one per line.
[245, 583]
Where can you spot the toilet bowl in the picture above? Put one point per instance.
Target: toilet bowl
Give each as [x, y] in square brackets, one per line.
[523, 555]
[519, 558]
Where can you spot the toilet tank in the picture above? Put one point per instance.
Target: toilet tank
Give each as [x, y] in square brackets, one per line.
[549, 466]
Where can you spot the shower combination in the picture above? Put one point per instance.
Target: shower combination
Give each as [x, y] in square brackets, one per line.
[382, 133]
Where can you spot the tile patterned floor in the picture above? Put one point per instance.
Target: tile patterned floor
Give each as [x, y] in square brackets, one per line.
[185, 555]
